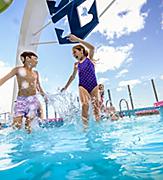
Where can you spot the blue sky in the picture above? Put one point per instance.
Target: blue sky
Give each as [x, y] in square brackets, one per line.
[129, 46]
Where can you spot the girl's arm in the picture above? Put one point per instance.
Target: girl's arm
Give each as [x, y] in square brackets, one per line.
[91, 48]
[12, 73]
[72, 77]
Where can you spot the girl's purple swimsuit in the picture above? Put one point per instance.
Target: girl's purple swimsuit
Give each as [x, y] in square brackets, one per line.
[87, 77]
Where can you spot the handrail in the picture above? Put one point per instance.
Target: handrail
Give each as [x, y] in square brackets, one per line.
[5, 116]
[120, 103]
[108, 101]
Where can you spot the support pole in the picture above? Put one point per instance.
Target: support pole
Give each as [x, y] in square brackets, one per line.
[47, 42]
[43, 27]
[154, 89]
[107, 8]
[129, 91]
[109, 95]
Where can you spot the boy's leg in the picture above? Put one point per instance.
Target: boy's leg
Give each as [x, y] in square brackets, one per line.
[19, 109]
[40, 112]
[28, 124]
[95, 103]
[17, 122]
[84, 98]
[33, 109]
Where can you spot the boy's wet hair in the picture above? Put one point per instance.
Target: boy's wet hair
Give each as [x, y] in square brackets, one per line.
[80, 47]
[27, 54]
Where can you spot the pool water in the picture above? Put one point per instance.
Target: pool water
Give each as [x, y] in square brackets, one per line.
[127, 149]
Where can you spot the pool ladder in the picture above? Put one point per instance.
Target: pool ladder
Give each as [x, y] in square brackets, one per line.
[120, 107]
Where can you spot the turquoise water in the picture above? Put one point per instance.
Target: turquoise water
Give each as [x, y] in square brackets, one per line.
[127, 149]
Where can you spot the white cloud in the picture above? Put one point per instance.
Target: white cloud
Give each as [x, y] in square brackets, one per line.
[2, 64]
[6, 89]
[132, 83]
[121, 73]
[146, 77]
[119, 89]
[111, 58]
[103, 81]
[122, 18]
[129, 60]
[144, 38]
[161, 77]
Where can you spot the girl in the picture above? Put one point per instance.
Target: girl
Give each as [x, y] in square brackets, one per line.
[101, 94]
[88, 87]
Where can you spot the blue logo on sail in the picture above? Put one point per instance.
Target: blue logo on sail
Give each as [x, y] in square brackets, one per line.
[69, 9]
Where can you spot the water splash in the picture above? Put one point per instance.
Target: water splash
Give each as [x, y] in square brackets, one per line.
[63, 105]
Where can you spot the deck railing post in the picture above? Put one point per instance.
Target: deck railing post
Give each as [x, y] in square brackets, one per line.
[154, 89]
[109, 96]
[130, 95]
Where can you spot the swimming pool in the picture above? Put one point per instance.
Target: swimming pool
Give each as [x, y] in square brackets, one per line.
[125, 149]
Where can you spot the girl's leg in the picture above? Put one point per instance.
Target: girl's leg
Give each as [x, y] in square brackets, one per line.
[17, 122]
[95, 102]
[84, 98]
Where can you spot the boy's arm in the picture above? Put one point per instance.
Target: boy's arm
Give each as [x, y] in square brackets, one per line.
[39, 88]
[71, 78]
[12, 73]
[91, 48]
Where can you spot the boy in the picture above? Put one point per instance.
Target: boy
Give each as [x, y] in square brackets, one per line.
[27, 105]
